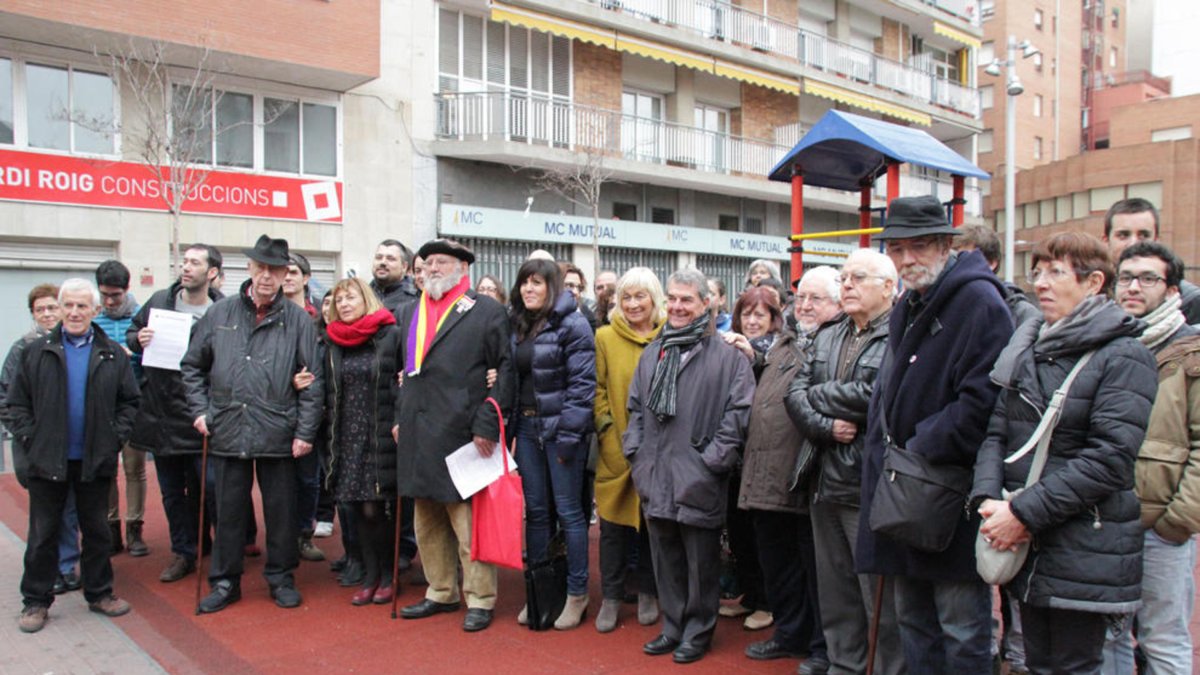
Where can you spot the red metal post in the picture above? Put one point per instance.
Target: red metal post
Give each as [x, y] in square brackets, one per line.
[893, 181]
[957, 210]
[797, 221]
[864, 216]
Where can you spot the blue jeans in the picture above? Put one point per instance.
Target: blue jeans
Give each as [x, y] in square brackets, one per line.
[544, 477]
[945, 626]
[1168, 592]
[68, 537]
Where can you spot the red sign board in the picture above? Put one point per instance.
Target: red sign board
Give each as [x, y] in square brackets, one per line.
[59, 179]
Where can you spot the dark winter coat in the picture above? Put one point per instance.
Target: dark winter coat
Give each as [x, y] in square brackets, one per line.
[564, 377]
[772, 439]
[239, 375]
[1083, 514]
[396, 295]
[681, 464]
[1023, 309]
[936, 393]
[817, 397]
[36, 407]
[1189, 295]
[445, 406]
[387, 344]
[163, 425]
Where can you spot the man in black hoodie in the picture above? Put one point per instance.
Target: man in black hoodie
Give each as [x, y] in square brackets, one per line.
[163, 424]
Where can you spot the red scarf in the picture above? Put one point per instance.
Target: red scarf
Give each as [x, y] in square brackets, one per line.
[361, 330]
[438, 308]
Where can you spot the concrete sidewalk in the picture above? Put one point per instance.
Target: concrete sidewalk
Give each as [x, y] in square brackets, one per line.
[74, 639]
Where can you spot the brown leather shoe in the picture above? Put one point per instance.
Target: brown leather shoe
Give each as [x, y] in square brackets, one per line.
[179, 568]
[133, 536]
[33, 619]
[109, 606]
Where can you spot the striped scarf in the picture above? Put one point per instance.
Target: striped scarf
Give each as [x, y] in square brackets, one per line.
[430, 316]
[663, 386]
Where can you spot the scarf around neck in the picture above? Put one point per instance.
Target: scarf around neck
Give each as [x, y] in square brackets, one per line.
[360, 330]
[663, 386]
[428, 320]
[1162, 322]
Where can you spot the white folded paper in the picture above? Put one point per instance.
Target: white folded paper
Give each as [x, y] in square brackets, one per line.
[471, 471]
[172, 331]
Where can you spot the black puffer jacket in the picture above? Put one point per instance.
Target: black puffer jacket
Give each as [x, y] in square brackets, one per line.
[817, 397]
[564, 376]
[1083, 513]
[36, 407]
[163, 425]
[386, 344]
[239, 372]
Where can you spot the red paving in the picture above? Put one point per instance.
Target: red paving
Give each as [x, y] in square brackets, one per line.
[327, 632]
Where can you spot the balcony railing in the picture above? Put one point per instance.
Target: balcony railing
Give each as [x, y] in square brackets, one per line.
[539, 120]
[916, 186]
[720, 20]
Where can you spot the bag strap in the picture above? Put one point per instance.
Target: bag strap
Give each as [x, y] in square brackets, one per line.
[503, 440]
[1045, 428]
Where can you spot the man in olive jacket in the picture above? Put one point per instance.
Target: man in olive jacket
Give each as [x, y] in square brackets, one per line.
[71, 405]
[238, 373]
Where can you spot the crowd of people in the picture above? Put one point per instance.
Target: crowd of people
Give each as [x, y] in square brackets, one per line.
[768, 454]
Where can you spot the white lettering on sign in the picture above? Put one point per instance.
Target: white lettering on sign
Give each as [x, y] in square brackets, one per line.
[65, 180]
[14, 176]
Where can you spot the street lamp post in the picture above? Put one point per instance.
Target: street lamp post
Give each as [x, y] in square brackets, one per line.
[1012, 88]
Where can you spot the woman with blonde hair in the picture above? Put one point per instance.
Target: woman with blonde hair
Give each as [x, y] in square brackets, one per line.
[638, 313]
[360, 391]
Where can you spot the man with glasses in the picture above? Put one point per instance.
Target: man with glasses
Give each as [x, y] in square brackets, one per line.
[576, 284]
[935, 392]
[828, 402]
[1168, 464]
[1134, 220]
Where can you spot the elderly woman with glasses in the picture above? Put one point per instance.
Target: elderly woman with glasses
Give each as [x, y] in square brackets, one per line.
[1082, 516]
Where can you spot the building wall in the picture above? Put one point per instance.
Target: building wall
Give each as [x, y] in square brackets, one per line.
[1134, 124]
[1105, 101]
[765, 109]
[597, 75]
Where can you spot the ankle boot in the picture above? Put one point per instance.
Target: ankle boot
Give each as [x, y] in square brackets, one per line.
[309, 550]
[573, 612]
[114, 529]
[647, 611]
[606, 618]
[137, 547]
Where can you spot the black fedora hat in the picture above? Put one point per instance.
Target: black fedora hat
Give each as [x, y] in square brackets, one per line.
[912, 217]
[447, 247]
[269, 251]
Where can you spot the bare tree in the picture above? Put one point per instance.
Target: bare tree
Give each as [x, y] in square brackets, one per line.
[580, 184]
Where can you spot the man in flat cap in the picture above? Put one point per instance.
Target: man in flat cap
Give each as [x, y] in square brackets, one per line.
[933, 398]
[238, 374]
[452, 337]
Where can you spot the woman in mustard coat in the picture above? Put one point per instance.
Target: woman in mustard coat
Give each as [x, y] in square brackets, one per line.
[638, 314]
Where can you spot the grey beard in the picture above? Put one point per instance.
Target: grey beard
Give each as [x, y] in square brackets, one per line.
[928, 275]
[436, 288]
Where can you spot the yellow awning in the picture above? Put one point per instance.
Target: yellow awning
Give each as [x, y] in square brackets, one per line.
[518, 16]
[865, 102]
[956, 35]
[661, 52]
[759, 77]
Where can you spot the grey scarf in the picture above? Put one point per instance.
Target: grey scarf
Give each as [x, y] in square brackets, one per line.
[1162, 322]
[663, 389]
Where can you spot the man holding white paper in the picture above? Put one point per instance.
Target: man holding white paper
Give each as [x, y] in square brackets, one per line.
[451, 338]
[163, 424]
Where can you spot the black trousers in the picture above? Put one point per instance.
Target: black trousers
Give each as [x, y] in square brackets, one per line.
[179, 482]
[47, 499]
[743, 545]
[618, 543]
[277, 481]
[787, 556]
[687, 569]
[1063, 640]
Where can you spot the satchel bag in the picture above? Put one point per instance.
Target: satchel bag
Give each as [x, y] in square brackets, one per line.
[546, 587]
[496, 514]
[917, 503]
[998, 567]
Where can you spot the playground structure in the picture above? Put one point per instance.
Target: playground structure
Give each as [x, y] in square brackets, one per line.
[849, 152]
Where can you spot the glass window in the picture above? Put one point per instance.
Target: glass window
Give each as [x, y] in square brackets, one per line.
[985, 141]
[191, 123]
[320, 139]
[46, 100]
[987, 96]
[281, 135]
[6, 104]
[235, 130]
[92, 112]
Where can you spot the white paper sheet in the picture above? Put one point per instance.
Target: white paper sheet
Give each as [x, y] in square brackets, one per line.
[471, 472]
[172, 332]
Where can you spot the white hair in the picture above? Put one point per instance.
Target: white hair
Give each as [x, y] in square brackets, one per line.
[691, 277]
[878, 263]
[640, 278]
[829, 277]
[540, 254]
[770, 266]
[75, 285]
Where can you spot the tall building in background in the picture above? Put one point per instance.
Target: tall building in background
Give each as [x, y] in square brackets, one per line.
[1162, 40]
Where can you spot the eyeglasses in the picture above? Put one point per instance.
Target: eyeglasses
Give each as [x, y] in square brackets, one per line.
[856, 278]
[1145, 279]
[573, 287]
[802, 298]
[1051, 274]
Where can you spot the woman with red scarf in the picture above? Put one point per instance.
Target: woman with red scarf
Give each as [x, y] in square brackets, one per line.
[360, 371]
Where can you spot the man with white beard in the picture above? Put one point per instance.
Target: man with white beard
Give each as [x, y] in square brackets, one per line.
[452, 337]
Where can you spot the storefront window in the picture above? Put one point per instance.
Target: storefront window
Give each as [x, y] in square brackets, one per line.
[320, 139]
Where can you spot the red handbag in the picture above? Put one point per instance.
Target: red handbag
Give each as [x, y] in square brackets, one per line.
[497, 514]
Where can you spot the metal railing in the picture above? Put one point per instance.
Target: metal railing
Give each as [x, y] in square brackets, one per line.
[558, 123]
[912, 185]
[720, 20]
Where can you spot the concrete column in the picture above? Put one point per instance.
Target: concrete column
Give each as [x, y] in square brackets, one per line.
[681, 103]
[839, 28]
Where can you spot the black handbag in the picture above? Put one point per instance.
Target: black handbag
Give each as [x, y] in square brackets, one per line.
[546, 588]
[917, 503]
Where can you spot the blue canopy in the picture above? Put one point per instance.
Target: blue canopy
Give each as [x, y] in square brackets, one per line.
[846, 152]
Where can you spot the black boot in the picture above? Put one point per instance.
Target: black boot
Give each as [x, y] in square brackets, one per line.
[116, 546]
[137, 547]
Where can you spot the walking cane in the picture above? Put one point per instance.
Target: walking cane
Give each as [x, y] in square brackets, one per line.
[200, 528]
[396, 557]
[874, 633]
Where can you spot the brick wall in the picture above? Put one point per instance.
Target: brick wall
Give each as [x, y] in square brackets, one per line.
[762, 110]
[597, 76]
[1133, 124]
